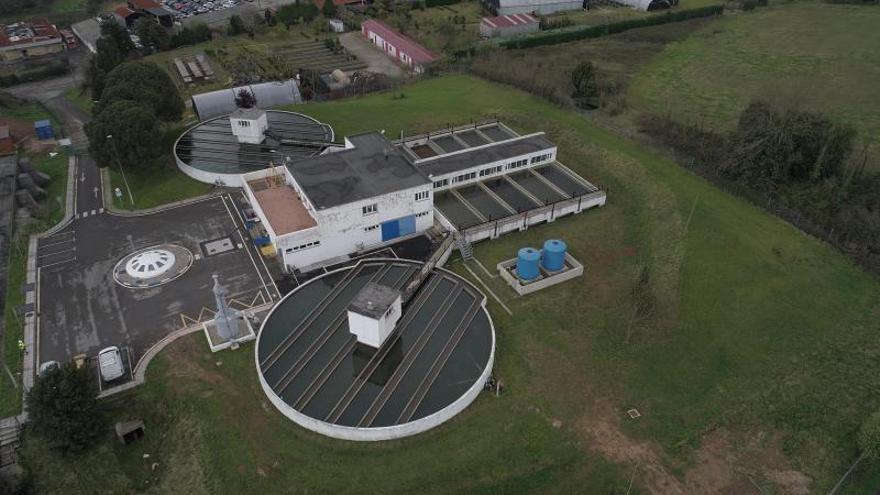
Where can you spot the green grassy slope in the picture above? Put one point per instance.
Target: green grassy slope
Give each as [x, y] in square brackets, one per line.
[813, 55]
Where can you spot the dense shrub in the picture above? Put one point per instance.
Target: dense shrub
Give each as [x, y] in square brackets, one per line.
[438, 3]
[49, 71]
[798, 165]
[565, 35]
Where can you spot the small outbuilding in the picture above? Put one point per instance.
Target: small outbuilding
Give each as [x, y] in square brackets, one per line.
[508, 25]
[397, 46]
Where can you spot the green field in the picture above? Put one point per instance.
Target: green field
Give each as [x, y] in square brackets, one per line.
[760, 358]
[811, 55]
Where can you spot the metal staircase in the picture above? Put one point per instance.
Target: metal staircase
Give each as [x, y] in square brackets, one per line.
[464, 247]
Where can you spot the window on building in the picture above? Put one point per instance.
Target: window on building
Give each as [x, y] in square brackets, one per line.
[419, 215]
[303, 246]
[422, 195]
[465, 177]
[373, 208]
[491, 170]
[371, 228]
[244, 123]
[441, 183]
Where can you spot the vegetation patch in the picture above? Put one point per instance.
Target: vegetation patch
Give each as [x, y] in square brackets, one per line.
[810, 56]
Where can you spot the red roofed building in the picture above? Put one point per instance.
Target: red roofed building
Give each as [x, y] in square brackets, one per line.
[397, 46]
[29, 39]
[152, 9]
[125, 16]
[508, 25]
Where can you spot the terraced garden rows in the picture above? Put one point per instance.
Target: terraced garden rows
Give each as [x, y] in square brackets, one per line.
[316, 55]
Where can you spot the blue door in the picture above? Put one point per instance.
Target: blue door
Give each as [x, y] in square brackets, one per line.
[398, 227]
[407, 225]
[390, 230]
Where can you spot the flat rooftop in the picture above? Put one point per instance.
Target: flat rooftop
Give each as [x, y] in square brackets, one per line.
[483, 154]
[373, 167]
[282, 206]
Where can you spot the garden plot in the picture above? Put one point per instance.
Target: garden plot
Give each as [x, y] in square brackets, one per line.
[322, 56]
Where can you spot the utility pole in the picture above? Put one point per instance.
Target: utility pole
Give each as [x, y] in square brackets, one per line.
[121, 171]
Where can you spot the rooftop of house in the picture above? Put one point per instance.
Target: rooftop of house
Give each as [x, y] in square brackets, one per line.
[370, 168]
[21, 33]
[417, 52]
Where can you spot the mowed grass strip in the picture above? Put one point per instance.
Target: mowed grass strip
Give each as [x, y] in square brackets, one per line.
[758, 328]
[811, 55]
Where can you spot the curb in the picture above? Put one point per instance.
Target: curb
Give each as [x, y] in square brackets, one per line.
[140, 369]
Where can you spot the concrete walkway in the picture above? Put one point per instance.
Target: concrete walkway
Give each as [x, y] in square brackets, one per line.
[377, 62]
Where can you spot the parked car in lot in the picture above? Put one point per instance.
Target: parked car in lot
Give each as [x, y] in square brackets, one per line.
[48, 365]
[110, 363]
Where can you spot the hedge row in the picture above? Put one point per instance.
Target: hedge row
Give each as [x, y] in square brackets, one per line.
[47, 72]
[587, 32]
[440, 3]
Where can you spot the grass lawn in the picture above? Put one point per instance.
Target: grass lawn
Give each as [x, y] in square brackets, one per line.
[52, 213]
[82, 100]
[762, 341]
[154, 187]
[812, 55]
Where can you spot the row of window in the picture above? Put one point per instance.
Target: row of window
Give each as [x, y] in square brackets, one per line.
[372, 208]
[422, 195]
[491, 170]
[464, 177]
[541, 158]
[303, 246]
[418, 215]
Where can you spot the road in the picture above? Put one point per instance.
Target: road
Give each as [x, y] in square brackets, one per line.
[50, 92]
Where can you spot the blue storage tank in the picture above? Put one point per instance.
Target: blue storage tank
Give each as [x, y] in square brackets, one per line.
[44, 129]
[553, 258]
[527, 263]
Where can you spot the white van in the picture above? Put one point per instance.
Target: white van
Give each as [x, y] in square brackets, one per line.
[110, 363]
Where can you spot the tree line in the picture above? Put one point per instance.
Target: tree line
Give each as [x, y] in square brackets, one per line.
[135, 99]
[803, 166]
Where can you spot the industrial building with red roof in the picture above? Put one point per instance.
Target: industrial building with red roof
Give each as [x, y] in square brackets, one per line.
[29, 39]
[397, 46]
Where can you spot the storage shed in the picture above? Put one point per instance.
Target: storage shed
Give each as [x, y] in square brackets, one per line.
[44, 129]
[397, 46]
[268, 95]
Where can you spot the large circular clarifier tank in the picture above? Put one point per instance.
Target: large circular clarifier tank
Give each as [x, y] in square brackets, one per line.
[431, 367]
[527, 263]
[553, 256]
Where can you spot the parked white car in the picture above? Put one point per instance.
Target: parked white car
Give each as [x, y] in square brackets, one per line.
[110, 362]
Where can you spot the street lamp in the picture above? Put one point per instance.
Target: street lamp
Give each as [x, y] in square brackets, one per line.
[121, 171]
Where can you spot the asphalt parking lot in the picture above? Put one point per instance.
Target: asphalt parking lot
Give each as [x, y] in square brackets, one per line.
[82, 309]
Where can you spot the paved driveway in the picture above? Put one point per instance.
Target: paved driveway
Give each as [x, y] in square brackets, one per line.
[82, 309]
[377, 62]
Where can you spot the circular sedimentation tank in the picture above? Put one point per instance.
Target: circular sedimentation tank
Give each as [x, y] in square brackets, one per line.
[527, 260]
[434, 364]
[209, 152]
[553, 255]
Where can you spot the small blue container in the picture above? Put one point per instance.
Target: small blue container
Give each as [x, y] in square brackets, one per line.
[553, 256]
[44, 129]
[527, 263]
